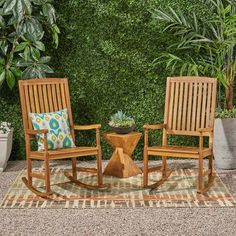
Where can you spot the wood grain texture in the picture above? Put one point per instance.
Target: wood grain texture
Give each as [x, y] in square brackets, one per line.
[121, 165]
[50, 95]
[189, 110]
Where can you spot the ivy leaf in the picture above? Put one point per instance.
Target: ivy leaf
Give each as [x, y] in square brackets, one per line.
[12, 21]
[10, 78]
[27, 6]
[27, 73]
[2, 2]
[2, 78]
[40, 45]
[44, 60]
[19, 11]
[27, 53]
[30, 38]
[21, 46]
[2, 22]
[2, 61]
[55, 31]
[4, 47]
[49, 13]
[32, 72]
[16, 71]
[23, 63]
[45, 68]
[35, 53]
[8, 6]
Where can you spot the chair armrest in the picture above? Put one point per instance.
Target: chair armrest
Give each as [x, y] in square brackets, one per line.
[205, 130]
[159, 126]
[35, 132]
[90, 127]
[87, 127]
[153, 127]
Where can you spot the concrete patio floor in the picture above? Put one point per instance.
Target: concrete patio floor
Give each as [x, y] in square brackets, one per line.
[159, 221]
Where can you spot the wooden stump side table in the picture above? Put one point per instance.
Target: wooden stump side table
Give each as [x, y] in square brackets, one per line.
[121, 165]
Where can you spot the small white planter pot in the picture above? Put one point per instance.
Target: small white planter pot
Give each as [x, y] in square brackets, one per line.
[225, 143]
[5, 148]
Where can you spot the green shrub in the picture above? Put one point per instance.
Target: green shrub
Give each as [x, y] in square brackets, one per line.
[224, 113]
[106, 50]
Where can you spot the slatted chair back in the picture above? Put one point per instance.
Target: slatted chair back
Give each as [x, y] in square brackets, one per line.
[43, 96]
[190, 104]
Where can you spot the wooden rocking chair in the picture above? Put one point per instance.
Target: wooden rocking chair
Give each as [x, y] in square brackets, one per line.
[49, 95]
[189, 110]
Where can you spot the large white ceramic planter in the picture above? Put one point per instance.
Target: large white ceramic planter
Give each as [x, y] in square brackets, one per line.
[225, 143]
[5, 148]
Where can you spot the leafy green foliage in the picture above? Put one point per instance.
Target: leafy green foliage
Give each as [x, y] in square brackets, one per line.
[106, 51]
[212, 42]
[22, 28]
[121, 120]
[224, 113]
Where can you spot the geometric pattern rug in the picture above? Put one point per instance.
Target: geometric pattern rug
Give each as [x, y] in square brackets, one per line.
[178, 191]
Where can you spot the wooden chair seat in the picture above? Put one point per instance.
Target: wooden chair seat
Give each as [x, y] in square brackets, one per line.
[45, 96]
[66, 153]
[189, 110]
[178, 151]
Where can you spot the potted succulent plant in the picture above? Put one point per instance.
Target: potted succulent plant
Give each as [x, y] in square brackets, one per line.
[225, 139]
[6, 135]
[121, 123]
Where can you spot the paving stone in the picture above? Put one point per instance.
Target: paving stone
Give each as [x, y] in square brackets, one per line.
[159, 221]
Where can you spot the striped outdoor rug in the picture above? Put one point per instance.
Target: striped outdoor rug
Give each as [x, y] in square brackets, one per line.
[178, 191]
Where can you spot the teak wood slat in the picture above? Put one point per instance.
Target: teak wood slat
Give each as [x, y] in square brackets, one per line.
[36, 96]
[203, 115]
[199, 101]
[45, 98]
[194, 107]
[180, 107]
[50, 95]
[184, 116]
[169, 112]
[54, 96]
[189, 110]
[174, 121]
[58, 96]
[41, 102]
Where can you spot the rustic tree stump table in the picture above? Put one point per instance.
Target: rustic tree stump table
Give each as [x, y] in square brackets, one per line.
[121, 165]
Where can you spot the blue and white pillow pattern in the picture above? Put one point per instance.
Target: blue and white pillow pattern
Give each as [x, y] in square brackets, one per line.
[57, 124]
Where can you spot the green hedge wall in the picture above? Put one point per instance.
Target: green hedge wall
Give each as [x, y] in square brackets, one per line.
[106, 50]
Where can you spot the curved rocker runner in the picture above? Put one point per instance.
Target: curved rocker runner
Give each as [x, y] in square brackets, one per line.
[45, 96]
[189, 110]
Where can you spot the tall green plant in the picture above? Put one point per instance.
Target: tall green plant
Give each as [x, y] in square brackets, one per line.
[22, 27]
[212, 43]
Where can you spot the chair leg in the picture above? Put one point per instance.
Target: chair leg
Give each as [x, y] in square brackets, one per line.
[145, 169]
[29, 183]
[164, 167]
[73, 177]
[200, 175]
[99, 168]
[29, 171]
[74, 169]
[210, 166]
[47, 176]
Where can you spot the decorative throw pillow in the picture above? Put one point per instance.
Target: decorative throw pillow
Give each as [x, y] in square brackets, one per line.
[57, 124]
